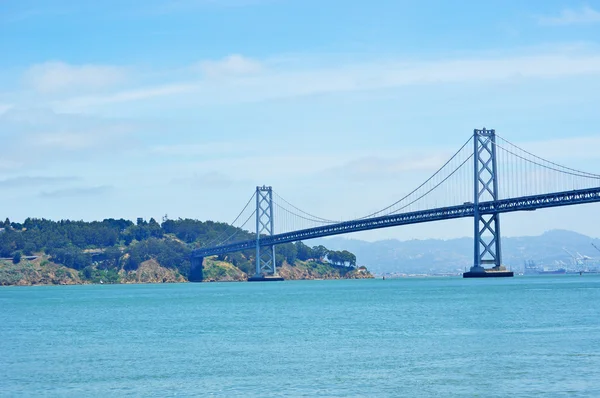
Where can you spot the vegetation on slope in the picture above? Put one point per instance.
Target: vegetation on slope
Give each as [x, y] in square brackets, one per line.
[120, 251]
[40, 271]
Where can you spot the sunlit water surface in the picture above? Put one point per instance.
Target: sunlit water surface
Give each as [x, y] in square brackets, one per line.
[447, 337]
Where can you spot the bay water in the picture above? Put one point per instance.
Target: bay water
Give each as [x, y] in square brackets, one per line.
[429, 337]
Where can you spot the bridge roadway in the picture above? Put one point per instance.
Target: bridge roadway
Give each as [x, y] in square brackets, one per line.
[525, 203]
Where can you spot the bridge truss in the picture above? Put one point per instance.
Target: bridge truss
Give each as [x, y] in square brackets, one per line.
[503, 178]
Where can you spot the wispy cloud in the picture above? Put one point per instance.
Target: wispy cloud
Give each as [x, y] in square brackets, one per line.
[76, 192]
[210, 148]
[371, 166]
[268, 81]
[43, 129]
[173, 6]
[52, 77]
[584, 15]
[383, 168]
[212, 179]
[233, 65]
[35, 181]
[139, 94]
[72, 140]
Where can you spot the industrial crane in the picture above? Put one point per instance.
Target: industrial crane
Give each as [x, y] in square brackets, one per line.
[576, 260]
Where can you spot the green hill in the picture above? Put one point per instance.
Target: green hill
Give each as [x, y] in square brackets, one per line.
[40, 251]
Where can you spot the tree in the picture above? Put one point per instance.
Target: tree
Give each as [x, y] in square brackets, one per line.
[112, 256]
[29, 248]
[342, 258]
[319, 252]
[155, 229]
[288, 251]
[304, 252]
[334, 257]
[17, 258]
[348, 258]
[88, 272]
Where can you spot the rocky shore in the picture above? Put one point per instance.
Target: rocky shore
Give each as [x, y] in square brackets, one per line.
[42, 271]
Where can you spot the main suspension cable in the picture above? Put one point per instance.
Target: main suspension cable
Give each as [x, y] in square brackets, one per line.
[581, 173]
[422, 185]
[321, 219]
[234, 221]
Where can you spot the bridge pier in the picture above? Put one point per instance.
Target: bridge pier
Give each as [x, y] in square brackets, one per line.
[487, 248]
[196, 269]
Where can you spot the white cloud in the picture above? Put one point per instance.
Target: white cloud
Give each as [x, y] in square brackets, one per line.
[209, 148]
[317, 165]
[289, 80]
[584, 15]
[233, 65]
[174, 6]
[83, 102]
[34, 181]
[42, 129]
[290, 165]
[66, 140]
[384, 168]
[53, 77]
[76, 192]
[213, 179]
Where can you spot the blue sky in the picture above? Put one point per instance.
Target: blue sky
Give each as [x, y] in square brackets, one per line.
[141, 109]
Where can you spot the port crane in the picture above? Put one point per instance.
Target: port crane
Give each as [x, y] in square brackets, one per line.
[576, 259]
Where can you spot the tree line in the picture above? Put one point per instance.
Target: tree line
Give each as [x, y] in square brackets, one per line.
[122, 244]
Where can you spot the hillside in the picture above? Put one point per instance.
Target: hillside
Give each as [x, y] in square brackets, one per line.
[41, 251]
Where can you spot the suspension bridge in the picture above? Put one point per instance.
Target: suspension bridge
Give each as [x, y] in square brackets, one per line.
[487, 176]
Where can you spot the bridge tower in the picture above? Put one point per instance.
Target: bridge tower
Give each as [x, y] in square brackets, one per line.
[265, 259]
[487, 242]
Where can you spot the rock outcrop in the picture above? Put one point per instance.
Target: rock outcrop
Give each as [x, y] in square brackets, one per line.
[303, 270]
[37, 272]
[221, 271]
[42, 271]
[151, 271]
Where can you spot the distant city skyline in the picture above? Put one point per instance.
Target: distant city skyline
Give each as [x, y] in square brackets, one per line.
[128, 109]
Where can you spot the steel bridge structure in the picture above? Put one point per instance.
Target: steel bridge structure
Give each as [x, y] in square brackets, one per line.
[488, 176]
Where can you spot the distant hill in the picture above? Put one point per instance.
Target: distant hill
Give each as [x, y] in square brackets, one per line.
[454, 255]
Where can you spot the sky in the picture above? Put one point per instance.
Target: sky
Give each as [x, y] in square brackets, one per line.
[124, 108]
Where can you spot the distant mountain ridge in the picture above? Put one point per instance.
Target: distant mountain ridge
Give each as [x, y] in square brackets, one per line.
[454, 255]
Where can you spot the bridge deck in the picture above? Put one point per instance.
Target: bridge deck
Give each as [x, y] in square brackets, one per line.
[525, 203]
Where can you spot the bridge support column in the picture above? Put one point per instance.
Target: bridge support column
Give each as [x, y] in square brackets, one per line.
[196, 270]
[487, 241]
[266, 267]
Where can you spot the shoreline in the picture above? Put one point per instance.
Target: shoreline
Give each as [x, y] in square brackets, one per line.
[169, 283]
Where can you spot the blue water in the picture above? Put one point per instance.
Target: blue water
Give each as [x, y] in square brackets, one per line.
[451, 337]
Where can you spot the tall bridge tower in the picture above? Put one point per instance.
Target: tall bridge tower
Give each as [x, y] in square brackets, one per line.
[265, 259]
[487, 248]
